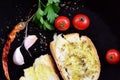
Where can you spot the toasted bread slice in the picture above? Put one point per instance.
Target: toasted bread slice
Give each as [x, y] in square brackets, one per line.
[76, 57]
[43, 69]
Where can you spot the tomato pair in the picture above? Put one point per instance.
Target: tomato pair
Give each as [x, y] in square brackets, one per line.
[113, 56]
[80, 22]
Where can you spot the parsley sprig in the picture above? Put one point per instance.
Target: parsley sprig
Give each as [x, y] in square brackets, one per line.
[46, 14]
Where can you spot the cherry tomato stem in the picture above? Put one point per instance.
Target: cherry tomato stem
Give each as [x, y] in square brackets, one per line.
[82, 19]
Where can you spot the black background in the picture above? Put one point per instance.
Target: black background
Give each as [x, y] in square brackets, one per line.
[103, 31]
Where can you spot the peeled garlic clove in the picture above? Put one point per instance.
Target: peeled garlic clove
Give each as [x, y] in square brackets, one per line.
[18, 57]
[29, 41]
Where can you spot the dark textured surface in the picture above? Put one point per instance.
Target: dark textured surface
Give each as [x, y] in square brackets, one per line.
[103, 31]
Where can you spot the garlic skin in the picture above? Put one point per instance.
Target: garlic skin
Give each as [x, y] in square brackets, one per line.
[29, 41]
[18, 57]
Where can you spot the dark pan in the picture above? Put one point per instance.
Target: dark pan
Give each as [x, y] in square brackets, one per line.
[103, 31]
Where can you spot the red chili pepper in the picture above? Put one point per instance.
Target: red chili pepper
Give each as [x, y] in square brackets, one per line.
[20, 26]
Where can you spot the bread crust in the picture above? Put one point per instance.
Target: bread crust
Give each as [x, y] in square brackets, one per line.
[74, 37]
[52, 48]
[52, 64]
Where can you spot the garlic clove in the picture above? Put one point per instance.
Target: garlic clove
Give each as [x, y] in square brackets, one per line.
[29, 41]
[18, 57]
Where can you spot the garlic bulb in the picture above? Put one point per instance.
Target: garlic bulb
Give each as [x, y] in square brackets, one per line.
[29, 41]
[18, 57]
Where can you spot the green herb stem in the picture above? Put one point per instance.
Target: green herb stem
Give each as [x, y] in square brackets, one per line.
[42, 4]
[39, 5]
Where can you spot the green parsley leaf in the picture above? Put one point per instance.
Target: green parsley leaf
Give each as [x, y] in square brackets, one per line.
[56, 1]
[53, 1]
[51, 15]
[45, 16]
[48, 26]
[39, 13]
[56, 8]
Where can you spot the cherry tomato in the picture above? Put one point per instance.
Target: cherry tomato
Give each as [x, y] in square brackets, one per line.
[81, 21]
[62, 23]
[112, 56]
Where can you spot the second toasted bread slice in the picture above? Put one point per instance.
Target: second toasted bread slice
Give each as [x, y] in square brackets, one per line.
[76, 57]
